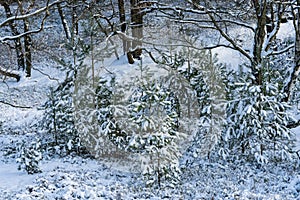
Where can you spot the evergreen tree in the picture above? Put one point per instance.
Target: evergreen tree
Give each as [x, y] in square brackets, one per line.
[257, 120]
[30, 156]
[142, 121]
[154, 112]
[58, 119]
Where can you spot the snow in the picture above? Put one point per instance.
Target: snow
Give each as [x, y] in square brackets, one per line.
[80, 178]
[13, 179]
[297, 132]
[74, 177]
[286, 30]
[224, 54]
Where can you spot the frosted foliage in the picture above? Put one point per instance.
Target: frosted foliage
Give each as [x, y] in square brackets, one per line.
[141, 114]
[257, 123]
[207, 79]
[30, 156]
[155, 112]
[58, 119]
[86, 114]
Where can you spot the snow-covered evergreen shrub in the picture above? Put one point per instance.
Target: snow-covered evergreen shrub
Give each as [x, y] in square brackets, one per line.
[30, 156]
[58, 119]
[154, 113]
[108, 113]
[206, 80]
[209, 83]
[141, 117]
[257, 120]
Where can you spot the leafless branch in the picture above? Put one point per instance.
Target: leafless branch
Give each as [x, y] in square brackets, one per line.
[15, 106]
[274, 53]
[49, 77]
[22, 17]
[25, 33]
[12, 74]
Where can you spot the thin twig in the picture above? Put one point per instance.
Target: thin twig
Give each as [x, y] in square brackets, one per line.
[15, 106]
[43, 73]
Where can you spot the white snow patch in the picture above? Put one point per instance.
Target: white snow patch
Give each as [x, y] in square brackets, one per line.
[297, 132]
[13, 179]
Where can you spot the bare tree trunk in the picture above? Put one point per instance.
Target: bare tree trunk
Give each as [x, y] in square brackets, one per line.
[27, 46]
[14, 30]
[261, 14]
[296, 70]
[64, 22]
[137, 27]
[123, 23]
[27, 41]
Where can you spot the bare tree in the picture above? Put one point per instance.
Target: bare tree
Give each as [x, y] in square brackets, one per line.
[27, 38]
[296, 69]
[24, 59]
[265, 12]
[15, 32]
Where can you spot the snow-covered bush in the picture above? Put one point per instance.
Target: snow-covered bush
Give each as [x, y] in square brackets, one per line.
[209, 81]
[257, 121]
[145, 123]
[204, 103]
[154, 114]
[29, 158]
[58, 119]
[107, 112]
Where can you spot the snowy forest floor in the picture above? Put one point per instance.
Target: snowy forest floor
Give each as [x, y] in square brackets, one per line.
[75, 177]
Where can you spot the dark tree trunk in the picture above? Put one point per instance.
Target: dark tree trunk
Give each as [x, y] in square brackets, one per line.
[130, 58]
[27, 46]
[137, 27]
[14, 30]
[64, 22]
[260, 33]
[123, 24]
[296, 70]
[27, 40]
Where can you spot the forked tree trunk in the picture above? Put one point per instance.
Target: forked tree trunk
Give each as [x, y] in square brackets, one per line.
[27, 41]
[126, 44]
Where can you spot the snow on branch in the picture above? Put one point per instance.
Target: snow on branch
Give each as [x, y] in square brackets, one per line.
[21, 17]
[274, 53]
